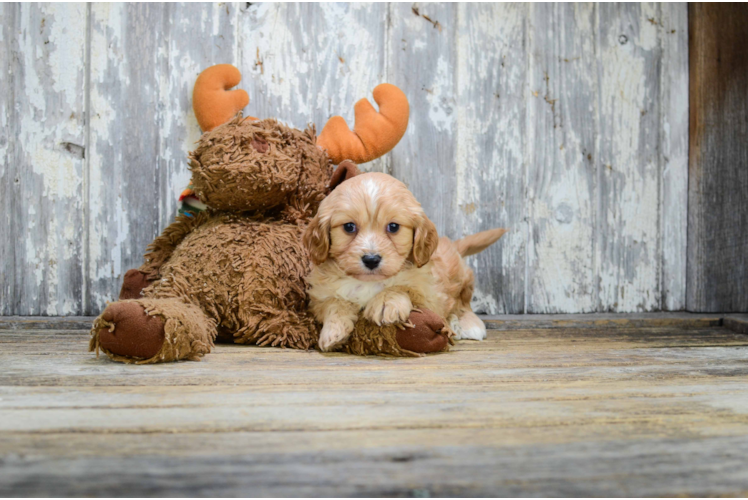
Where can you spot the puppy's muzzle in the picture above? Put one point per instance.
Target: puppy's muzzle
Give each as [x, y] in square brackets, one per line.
[371, 261]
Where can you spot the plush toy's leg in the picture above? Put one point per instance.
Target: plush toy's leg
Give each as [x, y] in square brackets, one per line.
[151, 330]
[134, 283]
[426, 333]
[268, 326]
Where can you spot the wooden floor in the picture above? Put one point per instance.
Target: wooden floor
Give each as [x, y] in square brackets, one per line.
[592, 406]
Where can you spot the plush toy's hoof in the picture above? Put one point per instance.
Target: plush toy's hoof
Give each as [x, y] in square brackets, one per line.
[135, 334]
[134, 283]
[428, 335]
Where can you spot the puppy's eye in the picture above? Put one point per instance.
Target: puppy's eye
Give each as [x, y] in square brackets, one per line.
[393, 227]
[349, 227]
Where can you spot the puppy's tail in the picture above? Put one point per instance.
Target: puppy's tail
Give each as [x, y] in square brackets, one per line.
[476, 243]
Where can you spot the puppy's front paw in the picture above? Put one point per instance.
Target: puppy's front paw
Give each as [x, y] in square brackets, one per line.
[388, 309]
[332, 335]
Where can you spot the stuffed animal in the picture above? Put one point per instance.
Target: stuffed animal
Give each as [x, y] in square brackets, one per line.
[236, 270]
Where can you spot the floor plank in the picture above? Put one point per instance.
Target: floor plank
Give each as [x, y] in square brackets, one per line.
[583, 410]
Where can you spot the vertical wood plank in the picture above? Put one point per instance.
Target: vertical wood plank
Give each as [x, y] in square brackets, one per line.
[673, 30]
[144, 61]
[627, 158]
[422, 62]
[7, 179]
[44, 156]
[718, 162]
[561, 158]
[124, 139]
[304, 63]
[490, 149]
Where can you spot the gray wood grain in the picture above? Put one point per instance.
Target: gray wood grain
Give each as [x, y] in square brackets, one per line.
[673, 154]
[220, 465]
[627, 164]
[737, 323]
[567, 124]
[7, 179]
[718, 163]
[595, 411]
[492, 139]
[561, 181]
[44, 148]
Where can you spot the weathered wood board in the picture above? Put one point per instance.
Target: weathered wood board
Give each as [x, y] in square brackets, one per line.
[573, 411]
[566, 123]
[718, 163]
[42, 152]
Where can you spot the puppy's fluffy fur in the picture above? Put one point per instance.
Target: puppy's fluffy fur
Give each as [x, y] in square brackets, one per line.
[375, 216]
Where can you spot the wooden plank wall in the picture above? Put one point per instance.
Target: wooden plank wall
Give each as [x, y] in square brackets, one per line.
[567, 123]
[718, 167]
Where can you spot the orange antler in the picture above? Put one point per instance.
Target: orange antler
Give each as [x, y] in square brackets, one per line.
[213, 102]
[374, 134]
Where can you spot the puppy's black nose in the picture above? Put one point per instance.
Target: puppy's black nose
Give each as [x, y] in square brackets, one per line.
[371, 261]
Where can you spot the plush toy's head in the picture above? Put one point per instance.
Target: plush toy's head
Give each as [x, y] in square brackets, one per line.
[244, 164]
[259, 165]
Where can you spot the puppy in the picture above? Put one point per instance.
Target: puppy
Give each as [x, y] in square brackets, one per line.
[374, 249]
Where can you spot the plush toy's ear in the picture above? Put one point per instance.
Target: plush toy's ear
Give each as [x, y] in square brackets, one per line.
[213, 102]
[425, 241]
[346, 170]
[374, 134]
[316, 239]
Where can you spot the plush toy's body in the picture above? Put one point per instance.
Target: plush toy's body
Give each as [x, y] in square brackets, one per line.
[236, 271]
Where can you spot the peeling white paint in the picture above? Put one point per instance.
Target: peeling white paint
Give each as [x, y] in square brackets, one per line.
[649, 21]
[68, 39]
[489, 147]
[441, 110]
[483, 116]
[628, 265]
[109, 222]
[48, 166]
[561, 191]
[484, 303]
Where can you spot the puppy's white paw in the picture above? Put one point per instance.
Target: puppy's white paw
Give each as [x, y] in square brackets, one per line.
[388, 309]
[332, 335]
[470, 328]
[473, 333]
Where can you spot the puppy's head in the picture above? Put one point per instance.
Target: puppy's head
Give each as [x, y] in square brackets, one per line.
[372, 226]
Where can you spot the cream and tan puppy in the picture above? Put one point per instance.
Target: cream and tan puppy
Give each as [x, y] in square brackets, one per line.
[374, 249]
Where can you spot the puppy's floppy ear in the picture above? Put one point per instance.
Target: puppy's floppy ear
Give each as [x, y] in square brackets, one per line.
[425, 241]
[345, 171]
[317, 240]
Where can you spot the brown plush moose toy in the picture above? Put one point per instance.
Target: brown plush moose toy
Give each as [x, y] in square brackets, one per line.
[236, 270]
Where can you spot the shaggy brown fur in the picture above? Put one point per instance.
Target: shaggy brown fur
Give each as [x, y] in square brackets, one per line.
[188, 333]
[238, 267]
[231, 171]
[425, 332]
